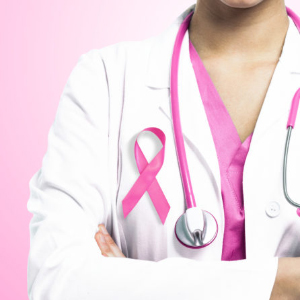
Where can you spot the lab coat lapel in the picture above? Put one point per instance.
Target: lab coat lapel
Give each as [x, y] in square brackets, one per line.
[159, 60]
[195, 127]
[262, 177]
[283, 85]
[276, 103]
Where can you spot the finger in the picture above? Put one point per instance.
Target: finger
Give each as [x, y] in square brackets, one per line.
[113, 246]
[104, 247]
[109, 245]
[110, 242]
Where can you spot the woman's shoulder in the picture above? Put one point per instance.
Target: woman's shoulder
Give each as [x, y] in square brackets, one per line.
[130, 61]
[120, 53]
[116, 61]
[137, 52]
[132, 51]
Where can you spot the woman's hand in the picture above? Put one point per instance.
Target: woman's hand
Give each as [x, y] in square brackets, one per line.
[106, 244]
[286, 286]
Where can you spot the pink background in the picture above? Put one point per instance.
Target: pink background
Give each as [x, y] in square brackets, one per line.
[41, 42]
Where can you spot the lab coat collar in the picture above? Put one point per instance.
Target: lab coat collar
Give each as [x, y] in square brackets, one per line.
[290, 56]
[159, 62]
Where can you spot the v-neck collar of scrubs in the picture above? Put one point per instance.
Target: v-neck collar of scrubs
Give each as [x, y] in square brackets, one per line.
[223, 129]
[229, 149]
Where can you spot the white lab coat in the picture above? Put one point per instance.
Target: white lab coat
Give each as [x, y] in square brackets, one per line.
[111, 95]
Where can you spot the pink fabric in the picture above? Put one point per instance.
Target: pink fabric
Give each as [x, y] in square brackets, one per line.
[231, 155]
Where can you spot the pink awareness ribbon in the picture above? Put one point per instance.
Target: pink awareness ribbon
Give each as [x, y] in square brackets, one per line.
[147, 181]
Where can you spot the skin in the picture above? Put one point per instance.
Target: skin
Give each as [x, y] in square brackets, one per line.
[240, 45]
[106, 243]
[245, 38]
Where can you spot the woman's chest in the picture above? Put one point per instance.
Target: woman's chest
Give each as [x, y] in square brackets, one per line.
[145, 236]
[142, 233]
[242, 88]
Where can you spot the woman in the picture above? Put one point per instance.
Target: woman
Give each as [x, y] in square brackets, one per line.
[238, 71]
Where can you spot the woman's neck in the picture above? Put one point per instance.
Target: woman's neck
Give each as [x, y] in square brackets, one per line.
[256, 33]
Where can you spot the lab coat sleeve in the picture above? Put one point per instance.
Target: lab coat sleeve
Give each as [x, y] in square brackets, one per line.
[69, 197]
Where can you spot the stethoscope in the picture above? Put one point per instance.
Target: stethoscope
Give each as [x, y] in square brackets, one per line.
[197, 228]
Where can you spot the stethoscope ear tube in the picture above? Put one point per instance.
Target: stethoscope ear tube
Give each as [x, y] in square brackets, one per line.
[287, 143]
[290, 126]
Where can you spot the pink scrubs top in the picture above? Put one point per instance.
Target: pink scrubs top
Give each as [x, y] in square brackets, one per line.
[231, 155]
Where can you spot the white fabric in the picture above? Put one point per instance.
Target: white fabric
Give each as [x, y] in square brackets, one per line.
[111, 95]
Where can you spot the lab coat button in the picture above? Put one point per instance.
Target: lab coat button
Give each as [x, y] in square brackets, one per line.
[273, 209]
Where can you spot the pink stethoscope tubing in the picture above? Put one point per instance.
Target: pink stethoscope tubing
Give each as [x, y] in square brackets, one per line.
[291, 123]
[185, 175]
[195, 228]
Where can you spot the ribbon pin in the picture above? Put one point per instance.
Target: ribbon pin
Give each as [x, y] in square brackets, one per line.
[147, 181]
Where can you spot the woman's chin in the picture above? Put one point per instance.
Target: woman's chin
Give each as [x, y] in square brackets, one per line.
[241, 3]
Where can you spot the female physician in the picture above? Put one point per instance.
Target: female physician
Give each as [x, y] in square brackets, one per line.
[175, 145]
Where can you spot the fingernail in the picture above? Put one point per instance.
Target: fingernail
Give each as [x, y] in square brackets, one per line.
[102, 238]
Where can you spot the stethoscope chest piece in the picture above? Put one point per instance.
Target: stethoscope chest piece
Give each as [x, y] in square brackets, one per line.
[196, 228]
